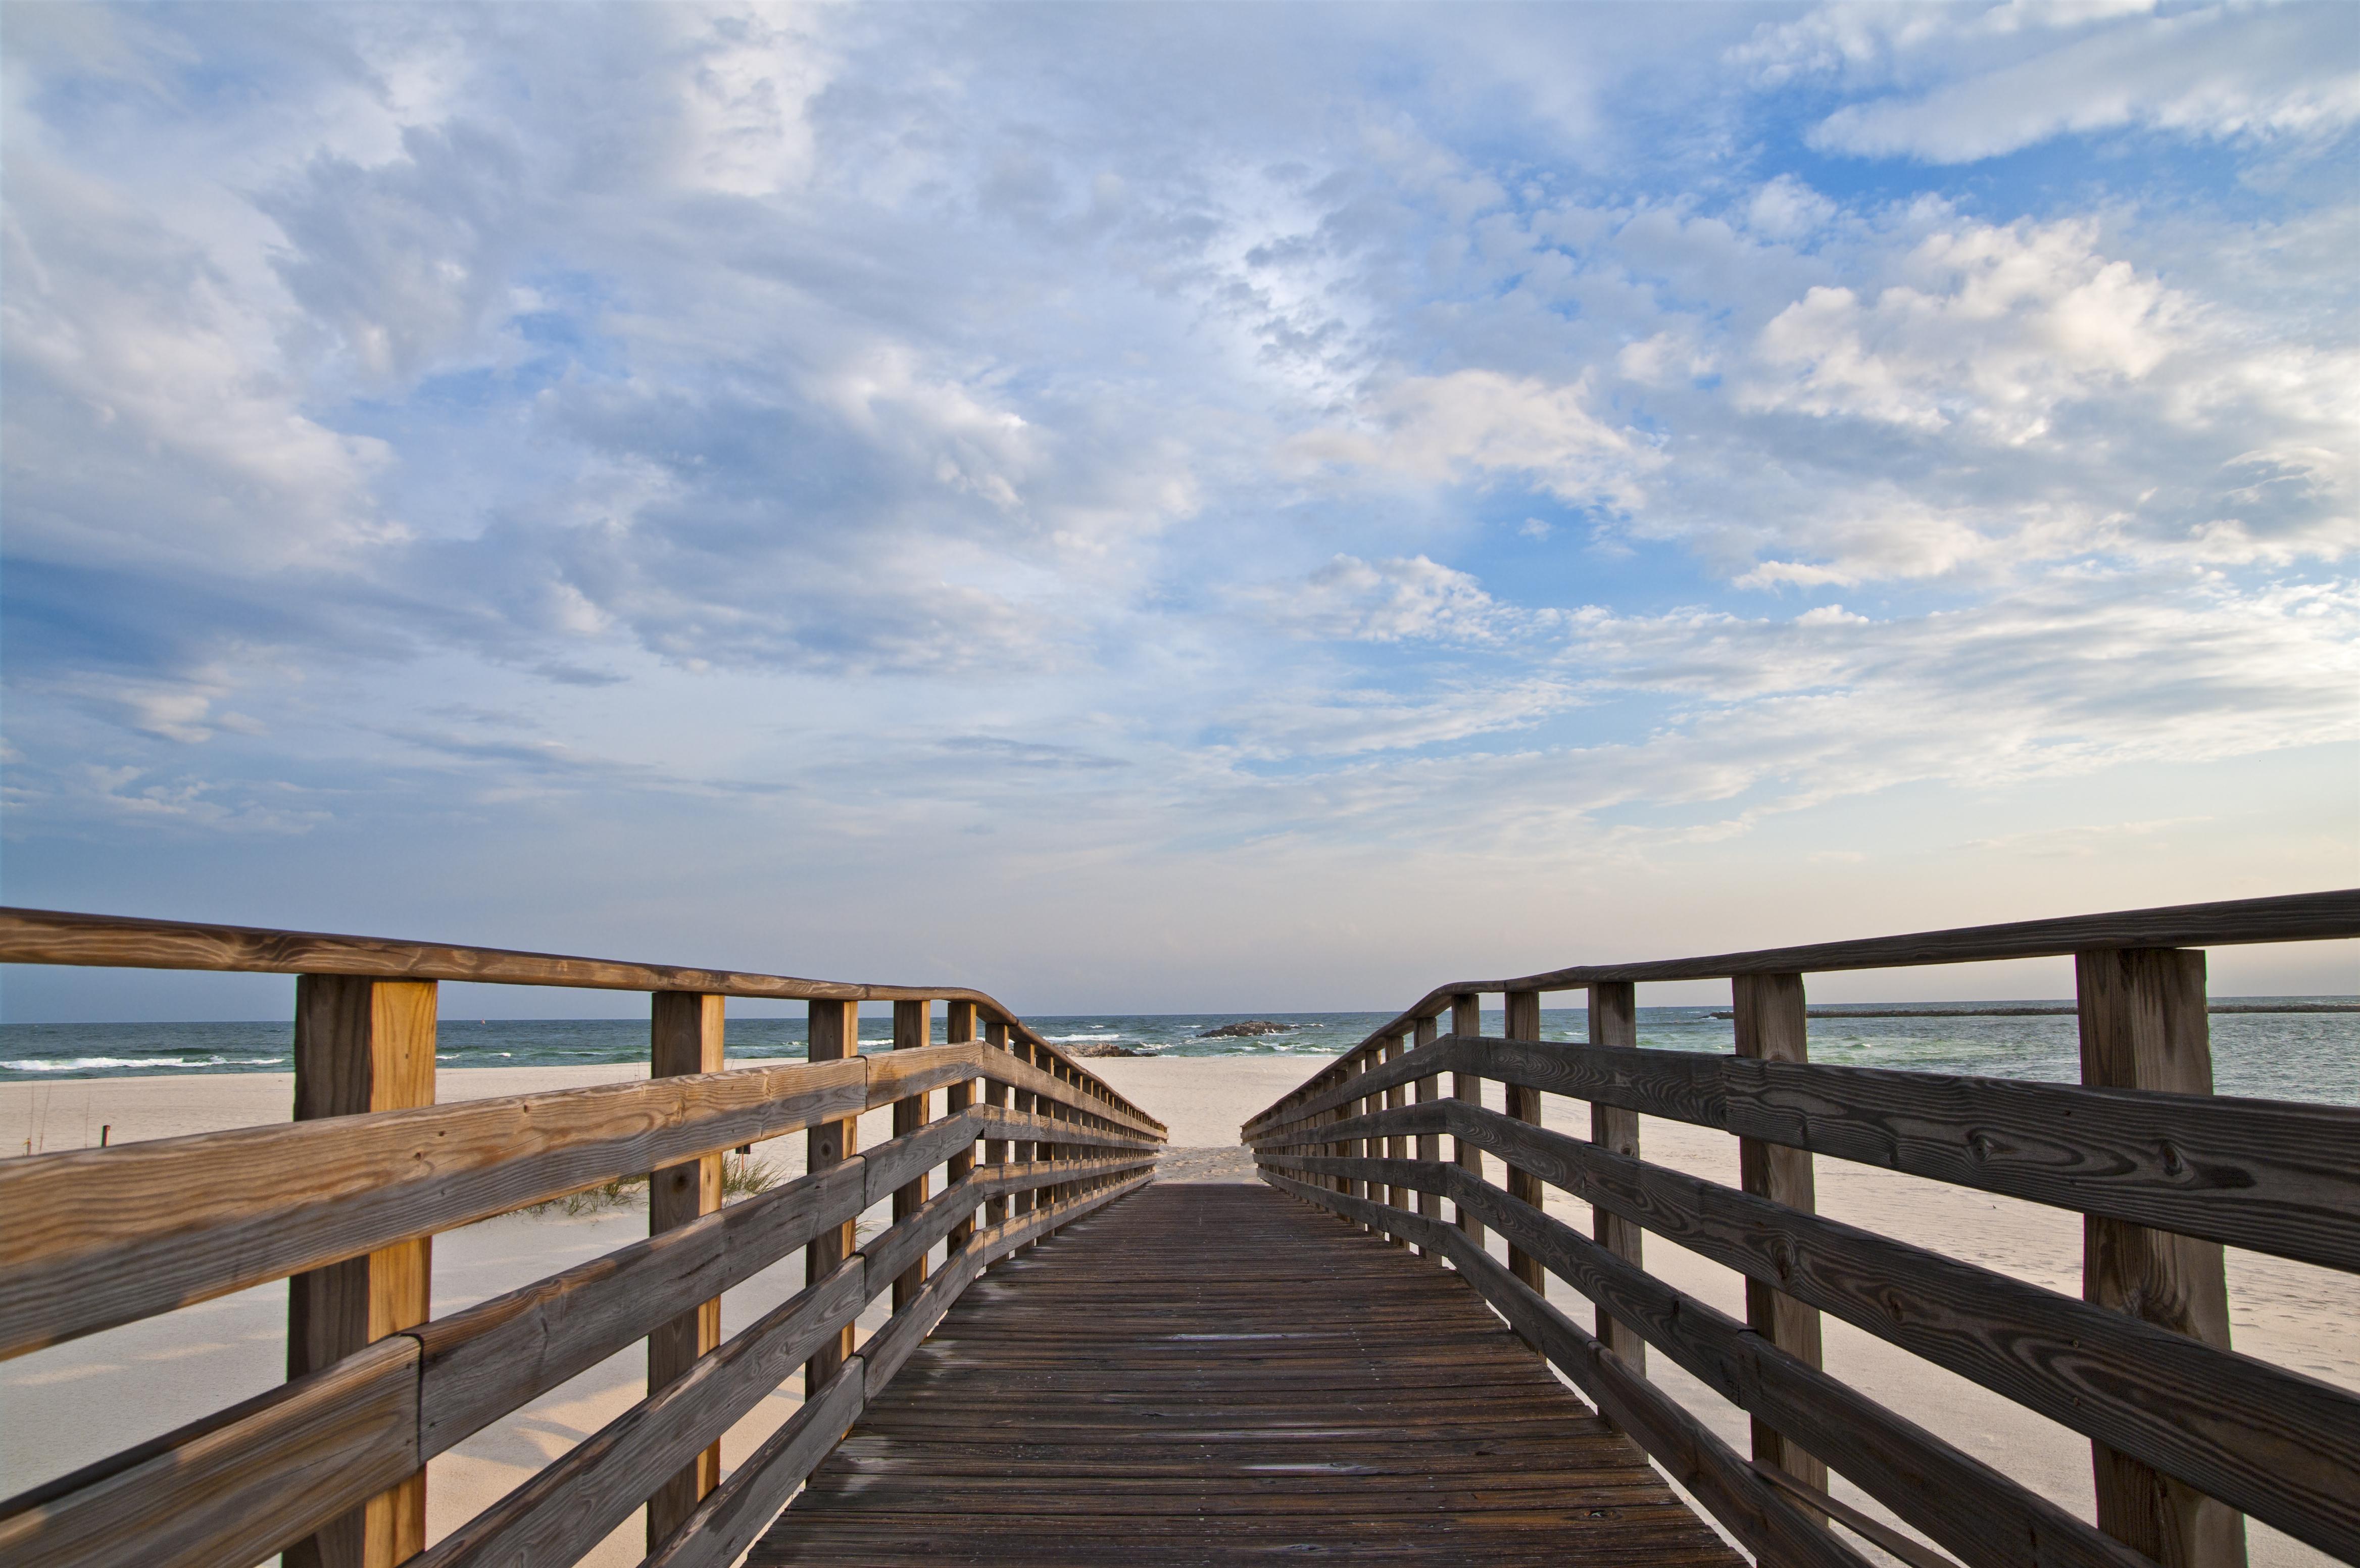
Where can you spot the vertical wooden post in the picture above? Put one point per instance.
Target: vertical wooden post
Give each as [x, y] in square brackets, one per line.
[959, 1030]
[1770, 1027]
[2144, 1026]
[361, 1046]
[995, 1150]
[1429, 1144]
[1467, 1022]
[1396, 1143]
[1357, 1148]
[1615, 1021]
[1524, 1105]
[913, 1029]
[684, 1037]
[1028, 1150]
[834, 1036]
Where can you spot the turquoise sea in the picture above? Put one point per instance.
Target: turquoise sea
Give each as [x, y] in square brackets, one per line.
[2288, 1055]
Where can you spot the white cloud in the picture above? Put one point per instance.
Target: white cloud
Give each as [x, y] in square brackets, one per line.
[1474, 424]
[2012, 75]
[1992, 327]
[1385, 601]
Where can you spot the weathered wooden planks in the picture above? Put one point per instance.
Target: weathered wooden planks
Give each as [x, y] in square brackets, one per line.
[84, 1249]
[685, 1037]
[1982, 1516]
[1167, 1383]
[2273, 1175]
[361, 1046]
[238, 1485]
[2282, 1446]
[2143, 1026]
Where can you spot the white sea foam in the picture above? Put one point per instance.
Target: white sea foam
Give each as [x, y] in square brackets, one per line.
[86, 1064]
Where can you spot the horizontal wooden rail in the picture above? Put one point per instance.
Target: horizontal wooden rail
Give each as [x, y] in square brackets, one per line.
[727, 1522]
[570, 1506]
[1763, 1519]
[2294, 918]
[56, 937]
[2271, 1176]
[240, 1484]
[87, 1247]
[2282, 1447]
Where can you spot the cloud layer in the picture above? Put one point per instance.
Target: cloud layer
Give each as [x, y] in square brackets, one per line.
[1148, 448]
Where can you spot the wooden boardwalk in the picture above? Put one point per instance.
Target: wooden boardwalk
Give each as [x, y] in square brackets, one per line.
[1211, 1374]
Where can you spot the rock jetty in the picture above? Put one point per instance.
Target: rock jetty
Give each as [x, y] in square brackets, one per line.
[1250, 1027]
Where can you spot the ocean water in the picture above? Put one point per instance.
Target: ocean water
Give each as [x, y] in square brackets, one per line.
[2288, 1055]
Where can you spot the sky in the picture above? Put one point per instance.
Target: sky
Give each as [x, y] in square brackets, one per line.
[1176, 508]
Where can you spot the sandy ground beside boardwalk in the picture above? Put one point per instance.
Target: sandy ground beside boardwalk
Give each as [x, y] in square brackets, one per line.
[67, 1406]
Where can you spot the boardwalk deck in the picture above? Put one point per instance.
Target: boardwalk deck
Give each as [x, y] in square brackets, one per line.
[1214, 1375]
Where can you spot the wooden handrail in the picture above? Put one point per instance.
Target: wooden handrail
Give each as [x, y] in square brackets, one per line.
[2187, 1433]
[86, 1247]
[238, 1484]
[111, 941]
[2292, 918]
[2269, 1175]
[372, 1166]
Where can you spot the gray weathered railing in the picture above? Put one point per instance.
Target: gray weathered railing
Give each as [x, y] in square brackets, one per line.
[2188, 1436]
[329, 1467]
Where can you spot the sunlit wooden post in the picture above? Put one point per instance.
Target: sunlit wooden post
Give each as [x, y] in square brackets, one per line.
[959, 1030]
[1524, 1022]
[834, 1036]
[1429, 1144]
[913, 1028]
[1615, 1021]
[684, 1037]
[995, 1150]
[1467, 1022]
[2144, 1026]
[1771, 1027]
[361, 1046]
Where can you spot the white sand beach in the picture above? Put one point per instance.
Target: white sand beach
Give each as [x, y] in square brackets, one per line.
[74, 1403]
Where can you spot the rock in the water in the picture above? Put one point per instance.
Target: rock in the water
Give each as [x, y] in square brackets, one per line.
[1250, 1027]
[1106, 1049]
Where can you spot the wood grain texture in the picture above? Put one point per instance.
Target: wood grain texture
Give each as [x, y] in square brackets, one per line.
[1760, 1519]
[2283, 1447]
[569, 1504]
[912, 1031]
[239, 1485]
[1467, 1023]
[86, 1249]
[1615, 1025]
[685, 1037]
[835, 1035]
[482, 1363]
[1429, 1144]
[1972, 1510]
[1524, 1022]
[1162, 1383]
[2294, 918]
[361, 1046]
[2274, 1176]
[57, 937]
[2143, 1026]
[729, 1521]
[1770, 1027]
[960, 1028]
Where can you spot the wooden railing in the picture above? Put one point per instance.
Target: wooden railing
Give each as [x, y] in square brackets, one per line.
[329, 1467]
[2188, 1436]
